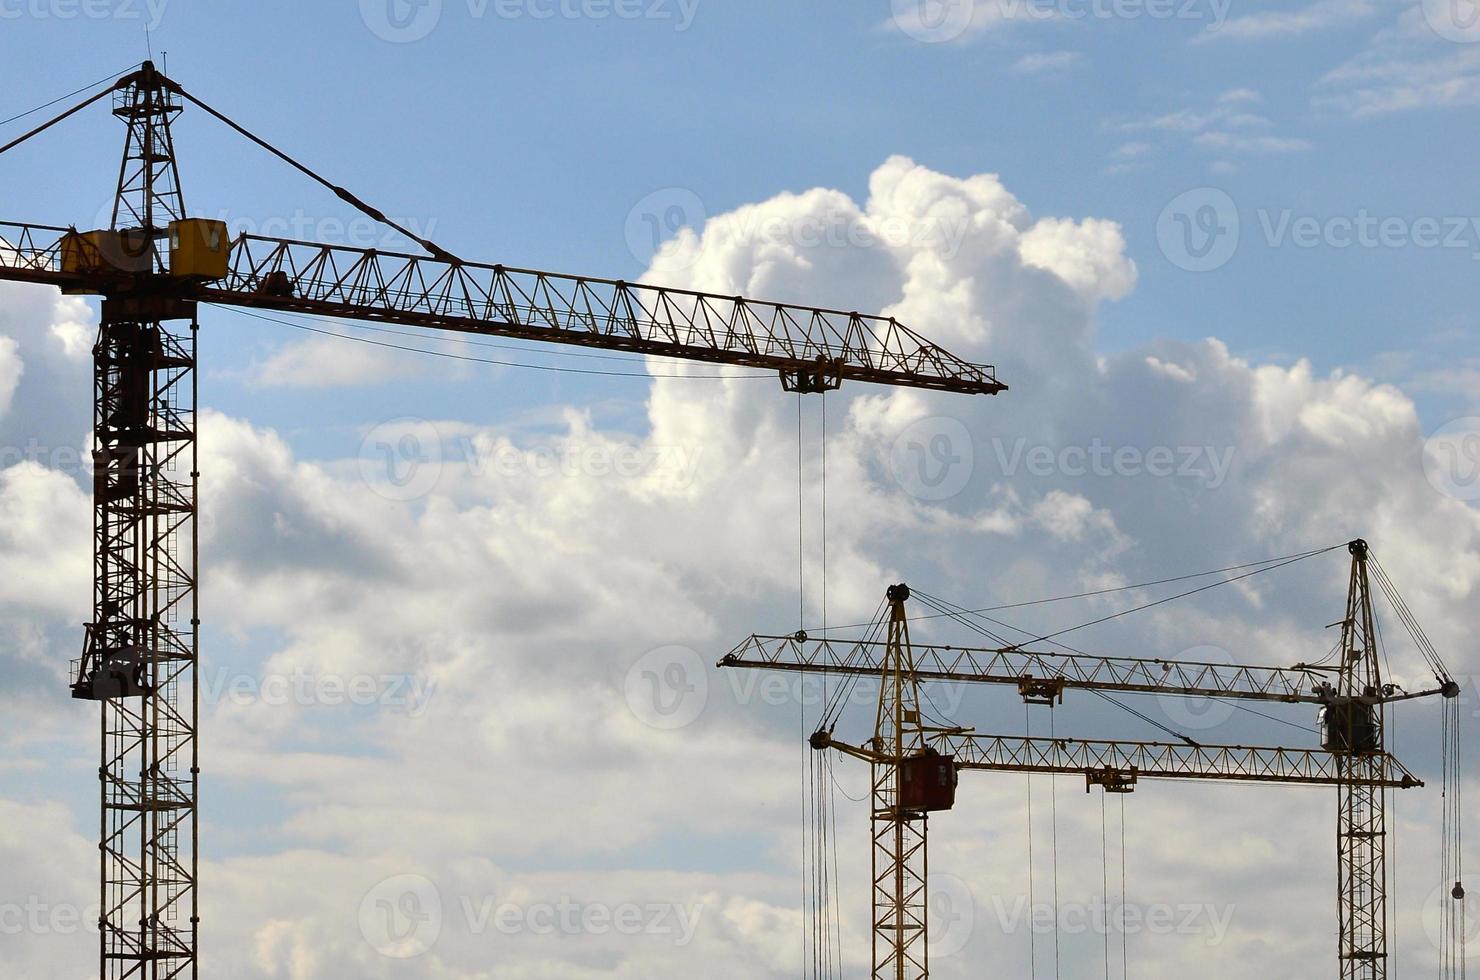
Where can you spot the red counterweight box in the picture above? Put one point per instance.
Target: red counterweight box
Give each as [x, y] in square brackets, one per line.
[928, 782]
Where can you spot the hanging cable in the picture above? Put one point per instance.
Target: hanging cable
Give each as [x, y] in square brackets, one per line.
[1105, 878]
[1144, 717]
[844, 690]
[960, 614]
[55, 120]
[449, 355]
[824, 518]
[1053, 783]
[1172, 598]
[1121, 588]
[801, 528]
[836, 889]
[433, 249]
[1125, 959]
[69, 95]
[1032, 906]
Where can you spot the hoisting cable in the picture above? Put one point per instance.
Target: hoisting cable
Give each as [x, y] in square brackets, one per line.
[1410, 622]
[941, 604]
[66, 115]
[449, 355]
[1453, 921]
[1172, 598]
[843, 691]
[1032, 908]
[466, 340]
[63, 98]
[1145, 717]
[1125, 958]
[1105, 877]
[1053, 783]
[835, 889]
[433, 249]
[824, 520]
[801, 529]
[821, 879]
[1123, 588]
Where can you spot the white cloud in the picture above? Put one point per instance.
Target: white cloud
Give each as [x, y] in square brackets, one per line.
[526, 592]
[323, 362]
[1047, 62]
[1412, 64]
[1227, 125]
[1280, 24]
[1242, 143]
[10, 371]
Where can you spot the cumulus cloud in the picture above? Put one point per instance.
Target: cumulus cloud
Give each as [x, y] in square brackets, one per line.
[1047, 62]
[1412, 64]
[1279, 24]
[326, 362]
[1229, 124]
[528, 735]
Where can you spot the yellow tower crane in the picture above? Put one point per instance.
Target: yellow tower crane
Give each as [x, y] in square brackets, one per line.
[153, 267]
[914, 765]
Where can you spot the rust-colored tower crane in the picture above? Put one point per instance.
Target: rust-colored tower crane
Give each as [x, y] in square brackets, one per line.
[915, 765]
[153, 267]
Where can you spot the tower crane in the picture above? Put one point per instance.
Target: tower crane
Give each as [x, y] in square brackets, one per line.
[915, 766]
[153, 267]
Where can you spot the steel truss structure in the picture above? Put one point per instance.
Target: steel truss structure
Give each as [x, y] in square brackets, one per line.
[1352, 759]
[141, 649]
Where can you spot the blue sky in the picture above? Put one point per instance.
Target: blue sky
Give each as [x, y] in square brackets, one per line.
[529, 140]
[1314, 159]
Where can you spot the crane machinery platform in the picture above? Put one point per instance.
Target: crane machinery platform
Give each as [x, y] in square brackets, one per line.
[153, 267]
[915, 765]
